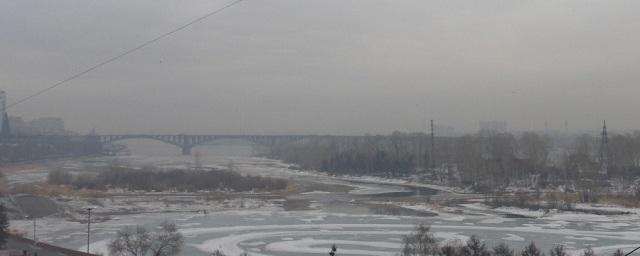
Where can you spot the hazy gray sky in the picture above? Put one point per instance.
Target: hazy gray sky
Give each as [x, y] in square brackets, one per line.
[325, 66]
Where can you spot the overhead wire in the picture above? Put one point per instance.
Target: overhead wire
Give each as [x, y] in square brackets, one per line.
[632, 251]
[125, 53]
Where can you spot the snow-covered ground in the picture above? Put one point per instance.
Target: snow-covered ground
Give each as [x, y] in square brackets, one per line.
[27, 176]
[262, 228]
[268, 232]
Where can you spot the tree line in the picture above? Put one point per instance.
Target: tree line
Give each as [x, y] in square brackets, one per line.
[4, 226]
[140, 241]
[484, 160]
[152, 179]
[168, 241]
[421, 242]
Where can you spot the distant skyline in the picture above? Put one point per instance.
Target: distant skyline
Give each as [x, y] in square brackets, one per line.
[325, 67]
[440, 130]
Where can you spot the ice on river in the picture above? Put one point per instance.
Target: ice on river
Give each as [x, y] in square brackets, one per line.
[269, 231]
[279, 233]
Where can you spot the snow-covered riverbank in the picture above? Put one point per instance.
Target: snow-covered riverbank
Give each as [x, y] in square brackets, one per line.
[334, 215]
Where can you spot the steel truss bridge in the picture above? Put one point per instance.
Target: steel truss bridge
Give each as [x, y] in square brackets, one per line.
[187, 142]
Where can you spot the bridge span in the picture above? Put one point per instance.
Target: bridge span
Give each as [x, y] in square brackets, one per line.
[187, 142]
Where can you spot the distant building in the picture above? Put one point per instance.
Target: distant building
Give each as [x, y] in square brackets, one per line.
[38, 126]
[18, 125]
[48, 126]
[494, 126]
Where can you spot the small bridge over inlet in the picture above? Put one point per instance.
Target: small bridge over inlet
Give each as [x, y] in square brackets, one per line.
[187, 142]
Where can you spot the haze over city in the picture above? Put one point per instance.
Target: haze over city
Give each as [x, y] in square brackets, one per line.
[325, 67]
[319, 127]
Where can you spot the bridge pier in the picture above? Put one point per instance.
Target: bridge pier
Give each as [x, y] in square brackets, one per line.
[186, 151]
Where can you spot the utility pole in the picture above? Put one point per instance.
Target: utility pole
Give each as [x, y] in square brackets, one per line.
[604, 151]
[88, 227]
[34, 230]
[433, 162]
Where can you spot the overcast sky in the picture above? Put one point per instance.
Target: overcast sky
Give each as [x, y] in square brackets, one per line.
[325, 66]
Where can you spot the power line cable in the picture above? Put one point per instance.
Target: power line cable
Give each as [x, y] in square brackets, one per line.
[632, 251]
[94, 67]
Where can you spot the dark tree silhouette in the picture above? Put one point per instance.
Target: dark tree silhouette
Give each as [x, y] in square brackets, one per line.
[333, 250]
[4, 226]
[452, 248]
[531, 250]
[558, 250]
[420, 242]
[588, 252]
[138, 241]
[475, 247]
[502, 249]
[618, 253]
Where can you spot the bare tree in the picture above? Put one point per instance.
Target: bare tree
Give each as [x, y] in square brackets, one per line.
[618, 253]
[167, 241]
[558, 250]
[138, 241]
[333, 250]
[531, 250]
[475, 247]
[420, 242]
[452, 248]
[218, 253]
[502, 249]
[588, 252]
[4, 226]
[131, 241]
[535, 148]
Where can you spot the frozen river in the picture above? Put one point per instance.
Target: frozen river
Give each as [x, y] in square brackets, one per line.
[334, 218]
